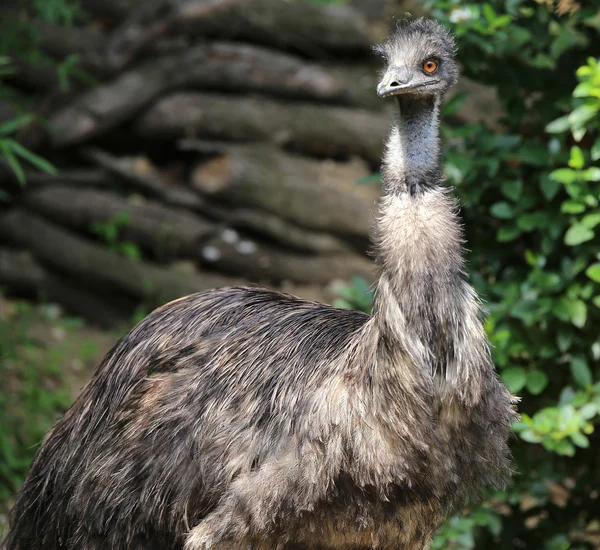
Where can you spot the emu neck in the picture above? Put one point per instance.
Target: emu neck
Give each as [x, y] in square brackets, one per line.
[423, 307]
[412, 161]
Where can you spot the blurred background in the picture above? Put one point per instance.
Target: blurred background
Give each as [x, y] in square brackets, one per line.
[153, 148]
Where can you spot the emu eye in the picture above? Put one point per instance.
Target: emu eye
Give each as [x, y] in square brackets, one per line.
[430, 66]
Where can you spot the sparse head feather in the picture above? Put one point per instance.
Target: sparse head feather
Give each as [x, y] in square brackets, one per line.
[416, 40]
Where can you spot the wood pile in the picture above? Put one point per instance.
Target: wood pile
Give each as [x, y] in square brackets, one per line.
[222, 141]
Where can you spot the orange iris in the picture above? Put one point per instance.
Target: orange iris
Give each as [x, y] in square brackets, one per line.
[430, 66]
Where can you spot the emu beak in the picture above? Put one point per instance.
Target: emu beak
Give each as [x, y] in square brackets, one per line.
[396, 80]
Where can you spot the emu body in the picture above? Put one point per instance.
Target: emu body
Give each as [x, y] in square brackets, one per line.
[242, 418]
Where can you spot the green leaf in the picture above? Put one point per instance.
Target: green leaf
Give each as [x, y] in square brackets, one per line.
[564, 175]
[591, 220]
[580, 371]
[558, 126]
[580, 399]
[572, 207]
[588, 411]
[531, 220]
[488, 13]
[515, 378]
[533, 259]
[576, 160]
[10, 126]
[454, 104]
[512, 189]
[578, 312]
[577, 234]
[534, 154]
[564, 340]
[549, 187]
[566, 395]
[583, 89]
[593, 272]
[595, 150]
[502, 210]
[580, 440]
[578, 133]
[596, 301]
[586, 70]
[591, 174]
[563, 447]
[506, 234]
[582, 114]
[536, 381]
[530, 436]
[12, 161]
[542, 61]
[130, 250]
[35, 160]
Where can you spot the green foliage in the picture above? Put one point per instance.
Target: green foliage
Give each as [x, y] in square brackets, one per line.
[530, 193]
[356, 295]
[12, 151]
[560, 427]
[20, 44]
[59, 12]
[458, 532]
[325, 1]
[34, 392]
[109, 232]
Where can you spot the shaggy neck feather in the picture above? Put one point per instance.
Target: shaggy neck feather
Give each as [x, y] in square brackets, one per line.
[423, 303]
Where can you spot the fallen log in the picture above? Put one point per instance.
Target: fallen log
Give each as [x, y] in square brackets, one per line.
[114, 10]
[218, 66]
[317, 30]
[61, 41]
[167, 233]
[149, 181]
[79, 177]
[154, 19]
[23, 276]
[314, 30]
[164, 232]
[283, 232]
[319, 130]
[236, 255]
[142, 176]
[316, 195]
[70, 254]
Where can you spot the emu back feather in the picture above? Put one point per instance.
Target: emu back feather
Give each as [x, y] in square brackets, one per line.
[259, 415]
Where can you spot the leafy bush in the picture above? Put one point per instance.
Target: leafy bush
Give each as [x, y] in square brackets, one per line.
[356, 295]
[530, 195]
[19, 44]
[109, 232]
[34, 392]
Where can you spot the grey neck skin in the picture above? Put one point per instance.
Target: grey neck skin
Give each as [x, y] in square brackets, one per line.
[412, 162]
[423, 309]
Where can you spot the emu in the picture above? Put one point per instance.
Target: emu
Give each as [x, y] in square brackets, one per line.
[243, 418]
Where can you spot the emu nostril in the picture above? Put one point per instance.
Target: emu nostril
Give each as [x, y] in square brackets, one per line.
[395, 83]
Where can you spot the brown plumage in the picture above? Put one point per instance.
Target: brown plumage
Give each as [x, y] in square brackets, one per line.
[242, 418]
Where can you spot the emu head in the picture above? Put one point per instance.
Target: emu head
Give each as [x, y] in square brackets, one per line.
[419, 57]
